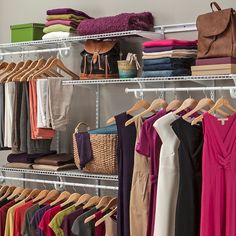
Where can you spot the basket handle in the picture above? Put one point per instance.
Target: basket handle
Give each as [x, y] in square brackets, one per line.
[79, 125]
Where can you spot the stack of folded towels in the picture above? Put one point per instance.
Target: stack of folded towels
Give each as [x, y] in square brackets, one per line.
[63, 22]
[171, 57]
[214, 66]
[41, 161]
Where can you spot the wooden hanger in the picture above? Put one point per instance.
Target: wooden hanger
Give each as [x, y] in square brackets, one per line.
[57, 63]
[24, 67]
[156, 104]
[41, 195]
[93, 201]
[221, 102]
[136, 107]
[8, 69]
[111, 204]
[174, 105]
[188, 103]
[17, 67]
[8, 192]
[34, 193]
[23, 72]
[29, 72]
[72, 199]
[83, 199]
[3, 65]
[62, 198]
[103, 203]
[203, 103]
[24, 194]
[51, 196]
[16, 193]
[111, 213]
[3, 189]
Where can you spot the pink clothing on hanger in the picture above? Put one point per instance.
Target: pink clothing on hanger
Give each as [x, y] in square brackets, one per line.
[169, 42]
[218, 214]
[37, 133]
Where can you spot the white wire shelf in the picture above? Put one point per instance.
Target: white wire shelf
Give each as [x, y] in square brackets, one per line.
[43, 43]
[149, 80]
[68, 174]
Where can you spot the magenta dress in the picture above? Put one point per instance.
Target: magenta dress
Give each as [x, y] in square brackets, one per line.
[218, 215]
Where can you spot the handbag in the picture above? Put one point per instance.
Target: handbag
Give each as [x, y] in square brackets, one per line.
[104, 145]
[99, 60]
[217, 33]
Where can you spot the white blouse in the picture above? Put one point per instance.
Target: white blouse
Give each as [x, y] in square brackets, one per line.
[168, 177]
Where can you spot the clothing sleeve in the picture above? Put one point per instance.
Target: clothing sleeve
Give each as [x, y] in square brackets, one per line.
[142, 146]
[75, 228]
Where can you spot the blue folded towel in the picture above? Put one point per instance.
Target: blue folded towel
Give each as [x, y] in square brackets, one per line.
[167, 60]
[168, 66]
[166, 73]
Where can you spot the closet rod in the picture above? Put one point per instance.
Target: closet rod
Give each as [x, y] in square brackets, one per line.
[187, 89]
[34, 51]
[59, 183]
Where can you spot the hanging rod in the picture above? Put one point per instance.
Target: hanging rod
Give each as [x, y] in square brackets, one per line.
[175, 28]
[127, 90]
[2, 54]
[59, 183]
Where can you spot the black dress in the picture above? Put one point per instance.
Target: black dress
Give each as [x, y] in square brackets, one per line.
[126, 146]
[188, 209]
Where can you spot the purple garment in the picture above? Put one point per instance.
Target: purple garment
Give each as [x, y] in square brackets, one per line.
[167, 48]
[37, 218]
[62, 11]
[149, 145]
[68, 221]
[216, 61]
[126, 146]
[100, 229]
[121, 22]
[62, 22]
[26, 158]
[84, 148]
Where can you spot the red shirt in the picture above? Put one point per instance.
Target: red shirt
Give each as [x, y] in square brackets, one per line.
[19, 217]
[47, 217]
[3, 215]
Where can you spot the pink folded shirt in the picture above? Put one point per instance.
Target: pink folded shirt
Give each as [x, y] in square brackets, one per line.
[169, 42]
[62, 22]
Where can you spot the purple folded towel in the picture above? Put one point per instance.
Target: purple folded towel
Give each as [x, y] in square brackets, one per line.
[122, 22]
[26, 158]
[62, 11]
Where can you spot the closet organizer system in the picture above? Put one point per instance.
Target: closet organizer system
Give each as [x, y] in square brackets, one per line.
[63, 47]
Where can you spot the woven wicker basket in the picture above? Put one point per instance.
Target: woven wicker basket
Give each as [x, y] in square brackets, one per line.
[104, 148]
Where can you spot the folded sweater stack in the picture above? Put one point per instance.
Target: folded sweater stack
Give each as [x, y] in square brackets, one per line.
[42, 161]
[164, 58]
[63, 22]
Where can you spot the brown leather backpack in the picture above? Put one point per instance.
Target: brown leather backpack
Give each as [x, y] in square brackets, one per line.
[217, 33]
[100, 60]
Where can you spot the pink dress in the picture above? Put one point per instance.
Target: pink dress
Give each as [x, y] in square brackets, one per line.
[218, 215]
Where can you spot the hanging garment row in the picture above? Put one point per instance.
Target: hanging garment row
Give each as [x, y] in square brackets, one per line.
[43, 212]
[162, 161]
[29, 112]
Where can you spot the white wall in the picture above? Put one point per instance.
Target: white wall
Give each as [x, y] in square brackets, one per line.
[165, 11]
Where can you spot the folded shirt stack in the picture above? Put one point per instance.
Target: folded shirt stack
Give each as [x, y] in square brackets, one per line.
[165, 58]
[214, 66]
[41, 161]
[63, 22]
